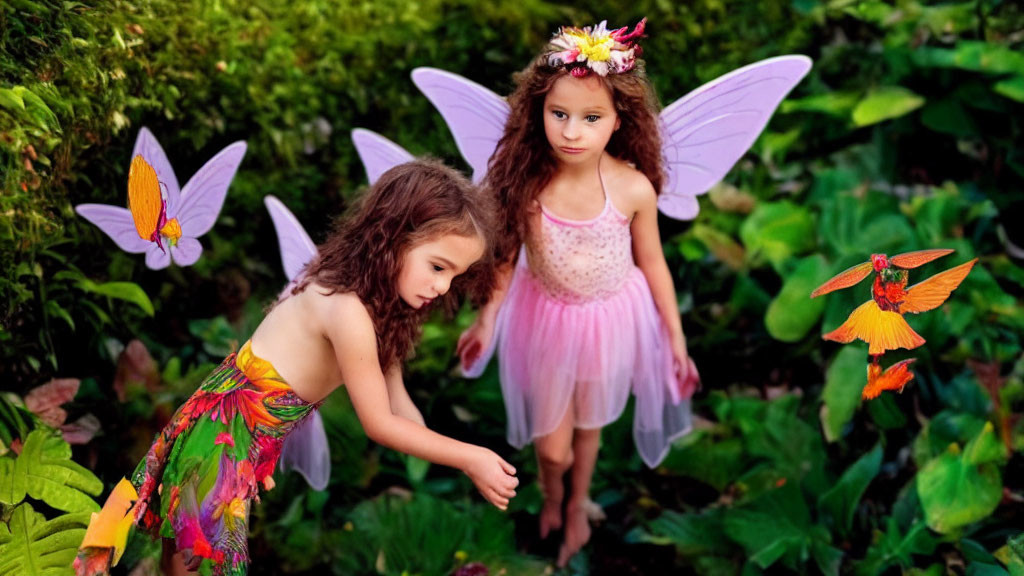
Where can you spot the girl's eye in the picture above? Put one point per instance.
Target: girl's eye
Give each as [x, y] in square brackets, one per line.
[559, 114]
[438, 268]
[593, 118]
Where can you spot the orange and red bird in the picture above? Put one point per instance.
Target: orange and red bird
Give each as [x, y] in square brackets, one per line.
[879, 321]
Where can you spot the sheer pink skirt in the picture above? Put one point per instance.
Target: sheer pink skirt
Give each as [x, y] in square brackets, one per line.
[590, 355]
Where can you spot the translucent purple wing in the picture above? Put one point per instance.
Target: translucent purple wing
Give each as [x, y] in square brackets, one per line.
[705, 132]
[378, 153]
[203, 195]
[117, 223]
[296, 247]
[147, 145]
[306, 451]
[475, 115]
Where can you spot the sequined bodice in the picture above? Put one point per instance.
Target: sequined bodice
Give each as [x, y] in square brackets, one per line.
[581, 260]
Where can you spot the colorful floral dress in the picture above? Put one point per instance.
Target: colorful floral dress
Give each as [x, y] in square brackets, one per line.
[203, 470]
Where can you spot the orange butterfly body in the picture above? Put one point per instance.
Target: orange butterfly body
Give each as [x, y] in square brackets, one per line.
[879, 321]
[147, 205]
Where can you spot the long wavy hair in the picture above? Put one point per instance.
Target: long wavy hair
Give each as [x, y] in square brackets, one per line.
[410, 204]
[523, 163]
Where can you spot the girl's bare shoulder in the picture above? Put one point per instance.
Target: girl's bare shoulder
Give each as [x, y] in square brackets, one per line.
[331, 310]
[629, 187]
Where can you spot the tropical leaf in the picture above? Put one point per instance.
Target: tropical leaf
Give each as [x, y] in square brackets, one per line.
[31, 545]
[792, 314]
[44, 471]
[896, 547]
[844, 381]
[959, 488]
[839, 503]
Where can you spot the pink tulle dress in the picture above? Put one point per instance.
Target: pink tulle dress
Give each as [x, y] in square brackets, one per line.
[579, 323]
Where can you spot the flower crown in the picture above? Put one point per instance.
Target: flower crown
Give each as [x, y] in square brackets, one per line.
[597, 49]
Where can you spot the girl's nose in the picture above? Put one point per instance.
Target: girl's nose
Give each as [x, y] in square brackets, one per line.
[570, 130]
[443, 285]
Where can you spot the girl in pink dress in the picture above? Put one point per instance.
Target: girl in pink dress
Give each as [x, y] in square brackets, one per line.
[588, 309]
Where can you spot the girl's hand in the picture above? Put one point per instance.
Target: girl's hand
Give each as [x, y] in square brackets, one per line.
[686, 371]
[474, 341]
[493, 477]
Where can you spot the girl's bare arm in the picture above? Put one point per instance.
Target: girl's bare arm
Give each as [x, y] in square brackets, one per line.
[355, 347]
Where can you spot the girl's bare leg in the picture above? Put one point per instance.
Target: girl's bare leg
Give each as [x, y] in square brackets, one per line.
[577, 526]
[554, 457]
[172, 562]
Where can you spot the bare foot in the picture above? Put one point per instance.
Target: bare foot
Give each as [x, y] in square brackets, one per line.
[550, 517]
[577, 532]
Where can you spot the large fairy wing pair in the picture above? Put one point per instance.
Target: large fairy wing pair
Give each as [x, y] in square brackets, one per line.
[703, 133]
[306, 449]
[155, 200]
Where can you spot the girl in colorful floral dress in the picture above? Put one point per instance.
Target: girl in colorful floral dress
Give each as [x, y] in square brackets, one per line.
[404, 249]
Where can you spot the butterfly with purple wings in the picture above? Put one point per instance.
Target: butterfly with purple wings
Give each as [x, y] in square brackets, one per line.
[305, 450]
[192, 209]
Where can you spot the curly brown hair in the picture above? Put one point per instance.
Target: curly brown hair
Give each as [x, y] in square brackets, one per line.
[410, 204]
[523, 163]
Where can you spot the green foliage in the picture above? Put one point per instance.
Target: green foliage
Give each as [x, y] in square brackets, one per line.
[959, 488]
[905, 135]
[44, 470]
[424, 535]
[31, 545]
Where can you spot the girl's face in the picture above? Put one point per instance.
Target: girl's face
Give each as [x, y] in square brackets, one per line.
[428, 268]
[579, 118]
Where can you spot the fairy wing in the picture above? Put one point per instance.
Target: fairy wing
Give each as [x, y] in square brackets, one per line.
[297, 249]
[705, 132]
[929, 294]
[378, 153]
[918, 258]
[844, 279]
[117, 223]
[305, 449]
[475, 115]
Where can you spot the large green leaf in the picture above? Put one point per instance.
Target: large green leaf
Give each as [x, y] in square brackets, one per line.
[691, 534]
[840, 503]
[955, 491]
[972, 55]
[776, 231]
[793, 313]
[30, 545]
[1012, 88]
[844, 381]
[127, 291]
[778, 527]
[896, 547]
[886, 103]
[44, 471]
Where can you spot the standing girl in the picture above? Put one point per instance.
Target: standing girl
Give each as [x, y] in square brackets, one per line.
[590, 311]
[352, 320]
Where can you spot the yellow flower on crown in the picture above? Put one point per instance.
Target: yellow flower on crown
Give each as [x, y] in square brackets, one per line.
[595, 49]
